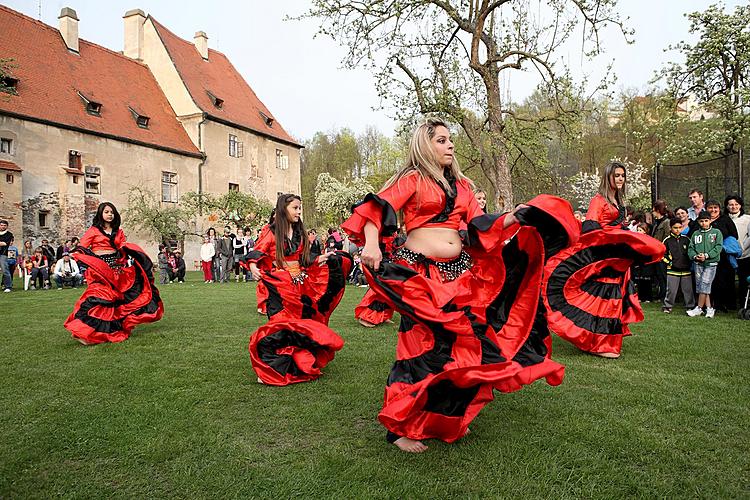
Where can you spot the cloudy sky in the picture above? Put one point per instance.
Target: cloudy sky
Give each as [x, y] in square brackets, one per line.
[299, 77]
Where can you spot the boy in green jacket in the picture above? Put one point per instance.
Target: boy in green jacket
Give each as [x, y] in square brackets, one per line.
[704, 249]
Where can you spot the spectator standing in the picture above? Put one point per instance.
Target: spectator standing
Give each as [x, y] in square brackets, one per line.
[6, 238]
[65, 247]
[704, 249]
[226, 254]
[163, 261]
[735, 210]
[334, 241]
[688, 226]
[238, 246]
[643, 274]
[12, 259]
[207, 257]
[216, 263]
[250, 237]
[696, 203]
[177, 271]
[312, 236]
[40, 269]
[67, 272]
[660, 231]
[724, 296]
[678, 268]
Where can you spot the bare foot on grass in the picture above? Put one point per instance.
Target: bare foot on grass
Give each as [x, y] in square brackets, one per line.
[410, 445]
[366, 324]
[84, 342]
[260, 381]
[607, 355]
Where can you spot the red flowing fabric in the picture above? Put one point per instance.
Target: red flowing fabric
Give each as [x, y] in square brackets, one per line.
[588, 292]
[288, 351]
[373, 310]
[458, 340]
[115, 300]
[261, 296]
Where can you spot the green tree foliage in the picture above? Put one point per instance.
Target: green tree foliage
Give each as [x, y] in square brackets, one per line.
[233, 208]
[6, 71]
[161, 223]
[449, 57]
[717, 72]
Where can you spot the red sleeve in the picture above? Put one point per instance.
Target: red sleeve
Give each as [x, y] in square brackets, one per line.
[119, 239]
[264, 251]
[381, 208]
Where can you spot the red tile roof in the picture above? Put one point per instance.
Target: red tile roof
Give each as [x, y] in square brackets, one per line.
[219, 77]
[9, 165]
[50, 78]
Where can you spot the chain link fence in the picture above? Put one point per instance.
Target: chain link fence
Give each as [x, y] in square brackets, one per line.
[716, 178]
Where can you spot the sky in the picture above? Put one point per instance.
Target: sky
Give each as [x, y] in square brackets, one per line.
[299, 77]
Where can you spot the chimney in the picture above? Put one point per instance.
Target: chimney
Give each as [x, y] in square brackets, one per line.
[133, 47]
[201, 44]
[69, 28]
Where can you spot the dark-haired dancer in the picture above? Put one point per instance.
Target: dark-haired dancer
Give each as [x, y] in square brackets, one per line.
[303, 290]
[587, 290]
[121, 292]
[466, 312]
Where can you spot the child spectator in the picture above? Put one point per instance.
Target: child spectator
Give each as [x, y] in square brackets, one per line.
[705, 249]
[678, 267]
[12, 258]
[208, 250]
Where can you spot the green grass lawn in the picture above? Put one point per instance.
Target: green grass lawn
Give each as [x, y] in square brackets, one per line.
[175, 411]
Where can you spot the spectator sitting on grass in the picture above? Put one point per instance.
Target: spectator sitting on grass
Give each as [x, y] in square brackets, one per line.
[67, 273]
[177, 271]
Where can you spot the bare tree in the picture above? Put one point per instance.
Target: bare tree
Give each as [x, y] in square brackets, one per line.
[449, 57]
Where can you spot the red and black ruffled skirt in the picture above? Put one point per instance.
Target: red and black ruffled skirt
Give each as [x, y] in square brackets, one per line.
[461, 338]
[120, 295]
[588, 292]
[373, 310]
[298, 312]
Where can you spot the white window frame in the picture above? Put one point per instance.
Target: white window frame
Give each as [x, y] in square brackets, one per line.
[169, 187]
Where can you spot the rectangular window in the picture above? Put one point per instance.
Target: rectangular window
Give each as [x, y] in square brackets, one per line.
[169, 187]
[234, 187]
[43, 218]
[5, 145]
[75, 179]
[282, 161]
[74, 159]
[9, 178]
[93, 180]
[232, 145]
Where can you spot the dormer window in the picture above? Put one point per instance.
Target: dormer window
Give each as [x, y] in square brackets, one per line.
[140, 119]
[9, 84]
[92, 107]
[219, 103]
[267, 119]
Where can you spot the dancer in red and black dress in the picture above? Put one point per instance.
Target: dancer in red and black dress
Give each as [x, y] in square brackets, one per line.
[121, 292]
[587, 290]
[466, 312]
[303, 290]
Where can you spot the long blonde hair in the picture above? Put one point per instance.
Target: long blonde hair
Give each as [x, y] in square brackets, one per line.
[611, 194]
[423, 160]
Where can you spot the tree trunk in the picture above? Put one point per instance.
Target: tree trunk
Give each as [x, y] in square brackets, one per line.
[499, 173]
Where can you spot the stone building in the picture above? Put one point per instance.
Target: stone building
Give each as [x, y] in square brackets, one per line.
[86, 124]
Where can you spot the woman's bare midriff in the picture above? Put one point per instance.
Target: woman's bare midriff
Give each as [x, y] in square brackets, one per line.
[436, 242]
[104, 252]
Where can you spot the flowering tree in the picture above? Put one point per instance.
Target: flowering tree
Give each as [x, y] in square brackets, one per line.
[584, 186]
[334, 198]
